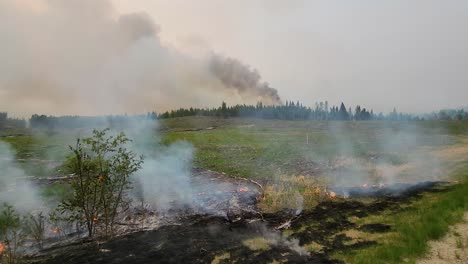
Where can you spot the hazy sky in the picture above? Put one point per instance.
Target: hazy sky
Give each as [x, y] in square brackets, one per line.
[63, 56]
[408, 54]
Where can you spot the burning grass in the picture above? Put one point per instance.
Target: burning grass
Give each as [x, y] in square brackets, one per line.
[313, 236]
[295, 192]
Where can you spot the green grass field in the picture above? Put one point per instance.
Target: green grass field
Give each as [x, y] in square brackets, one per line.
[274, 152]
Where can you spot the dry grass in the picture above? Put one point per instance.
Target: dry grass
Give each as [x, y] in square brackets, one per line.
[257, 244]
[219, 258]
[314, 247]
[454, 153]
[360, 236]
[294, 192]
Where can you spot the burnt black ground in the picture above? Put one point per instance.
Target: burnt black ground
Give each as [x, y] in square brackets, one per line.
[393, 190]
[196, 243]
[201, 238]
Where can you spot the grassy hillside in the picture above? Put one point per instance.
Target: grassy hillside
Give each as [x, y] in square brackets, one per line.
[297, 157]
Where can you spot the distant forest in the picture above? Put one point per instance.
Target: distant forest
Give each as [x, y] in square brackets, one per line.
[321, 111]
[288, 111]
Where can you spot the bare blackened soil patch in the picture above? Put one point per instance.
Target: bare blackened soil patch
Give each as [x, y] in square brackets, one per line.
[394, 190]
[201, 238]
[375, 228]
[200, 242]
[324, 225]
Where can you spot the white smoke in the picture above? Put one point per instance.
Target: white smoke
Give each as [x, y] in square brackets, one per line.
[80, 57]
[15, 187]
[385, 153]
[165, 178]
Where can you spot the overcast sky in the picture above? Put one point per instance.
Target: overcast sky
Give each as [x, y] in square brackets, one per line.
[412, 55]
[408, 54]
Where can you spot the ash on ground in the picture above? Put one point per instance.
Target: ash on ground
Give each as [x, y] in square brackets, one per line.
[217, 196]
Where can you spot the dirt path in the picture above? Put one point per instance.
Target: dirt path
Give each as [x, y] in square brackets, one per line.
[453, 248]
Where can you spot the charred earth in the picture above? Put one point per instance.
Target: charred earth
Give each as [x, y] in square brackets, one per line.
[233, 229]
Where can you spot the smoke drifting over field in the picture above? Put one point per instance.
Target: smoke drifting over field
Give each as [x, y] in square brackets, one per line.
[80, 57]
[165, 177]
[388, 154]
[14, 188]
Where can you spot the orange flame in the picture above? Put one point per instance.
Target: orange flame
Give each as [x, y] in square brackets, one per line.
[243, 189]
[101, 178]
[55, 230]
[332, 195]
[95, 219]
[2, 248]
[317, 191]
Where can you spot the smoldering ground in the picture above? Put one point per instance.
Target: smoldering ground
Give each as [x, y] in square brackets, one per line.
[81, 57]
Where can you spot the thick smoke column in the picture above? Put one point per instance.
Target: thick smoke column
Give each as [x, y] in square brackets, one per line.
[80, 57]
[236, 75]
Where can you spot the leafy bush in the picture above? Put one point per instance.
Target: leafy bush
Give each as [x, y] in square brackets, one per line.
[34, 226]
[102, 166]
[11, 235]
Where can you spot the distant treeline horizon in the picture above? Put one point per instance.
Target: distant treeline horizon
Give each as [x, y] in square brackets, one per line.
[288, 111]
[322, 111]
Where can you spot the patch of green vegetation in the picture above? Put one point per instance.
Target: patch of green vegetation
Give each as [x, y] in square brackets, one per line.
[425, 219]
[39, 154]
[239, 152]
[24, 146]
[451, 127]
[261, 149]
[57, 192]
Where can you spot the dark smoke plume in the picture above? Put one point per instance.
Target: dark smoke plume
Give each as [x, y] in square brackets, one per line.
[237, 75]
[80, 57]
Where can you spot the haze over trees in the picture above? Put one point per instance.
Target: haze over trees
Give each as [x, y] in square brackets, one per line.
[289, 111]
[6, 121]
[297, 111]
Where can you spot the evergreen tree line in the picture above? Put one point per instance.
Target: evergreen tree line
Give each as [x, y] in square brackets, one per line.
[6, 121]
[289, 111]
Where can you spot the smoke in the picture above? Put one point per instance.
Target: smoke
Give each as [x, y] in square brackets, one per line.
[276, 238]
[165, 177]
[15, 189]
[80, 57]
[164, 181]
[385, 153]
[236, 75]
